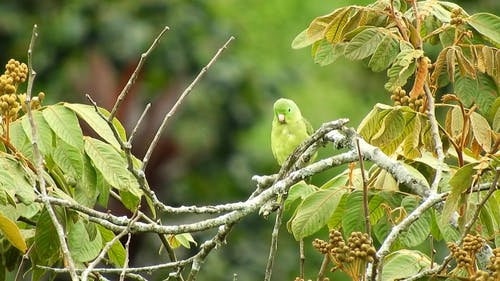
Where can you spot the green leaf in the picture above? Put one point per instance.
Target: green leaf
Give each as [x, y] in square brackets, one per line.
[117, 252]
[353, 218]
[337, 181]
[392, 126]
[45, 135]
[111, 165]
[403, 67]
[419, 230]
[64, 124]
[99, 125]
[403, 264]
[335, 29]
[184, 239]
[363, 44]
[318, 27]
[313, 213]
[372, 122]
[86, 189]
[486, 24]
[129, 199]
[481, 91]
[22, 182]
[69, 159]
[47, 249]
[385, 181]
[385, 53]
[481, 130]
[299, 190]
[460, 182]
[325, 53]
[302, 40]
[82, 247]
[10, 231]
[20, 140]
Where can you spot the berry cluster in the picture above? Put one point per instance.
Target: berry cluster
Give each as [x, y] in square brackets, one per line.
[351, 257]
[466, 258]
[399, 97]
[494, 265]
[15, 73]
[456, 17]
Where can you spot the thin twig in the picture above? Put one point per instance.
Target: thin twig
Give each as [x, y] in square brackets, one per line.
[365, 191]
[323, 268]
[134, 75]
[438, 145]
[139, 122]
[127, 254]
[179, 101]
[106, 249]
[302, 257]
[39, 162]
[274, 241]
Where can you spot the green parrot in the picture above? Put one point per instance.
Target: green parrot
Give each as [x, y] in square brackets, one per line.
[289, 129]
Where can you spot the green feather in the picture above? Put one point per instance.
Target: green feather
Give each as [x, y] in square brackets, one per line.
[289, 129]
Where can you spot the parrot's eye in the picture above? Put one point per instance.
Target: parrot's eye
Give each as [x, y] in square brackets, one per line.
[289, 109]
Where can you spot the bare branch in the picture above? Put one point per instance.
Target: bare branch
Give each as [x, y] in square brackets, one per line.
[274, 241]
[134, 75]
[39, 161]
[435, 136]
[179, 101]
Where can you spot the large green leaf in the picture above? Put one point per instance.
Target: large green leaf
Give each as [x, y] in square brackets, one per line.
[486, 24]
[419, 230]
[97, 123]
[113, 167]
[299, 190]
[83, 248]
[64, 124]
[47, 248]
[21, 179]
[392, 127]
[481, 91]
[313, 213]
[325, 53]
[404, 263]
[20, 140]
[117, 252]
[353, 218]
[403, 66]
[86, 189]
[364, 44]
[11, 231]
[460, 182]
[372, 122]
[69, 159]
[45, 135]
[481, 130]
[385, 53]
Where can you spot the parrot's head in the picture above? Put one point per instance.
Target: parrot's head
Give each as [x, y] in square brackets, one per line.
[286, 111]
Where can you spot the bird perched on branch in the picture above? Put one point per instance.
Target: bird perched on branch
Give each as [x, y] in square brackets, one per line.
[289, 129]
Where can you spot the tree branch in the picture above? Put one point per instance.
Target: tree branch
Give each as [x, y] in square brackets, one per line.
[179, 101]
[39, 162]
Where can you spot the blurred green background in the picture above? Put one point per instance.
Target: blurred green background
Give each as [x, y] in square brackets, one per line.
[220, 136]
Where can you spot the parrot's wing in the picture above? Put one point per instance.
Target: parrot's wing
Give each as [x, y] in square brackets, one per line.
[309, 127]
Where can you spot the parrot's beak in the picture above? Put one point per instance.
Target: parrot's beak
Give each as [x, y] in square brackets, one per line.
[281, 118]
